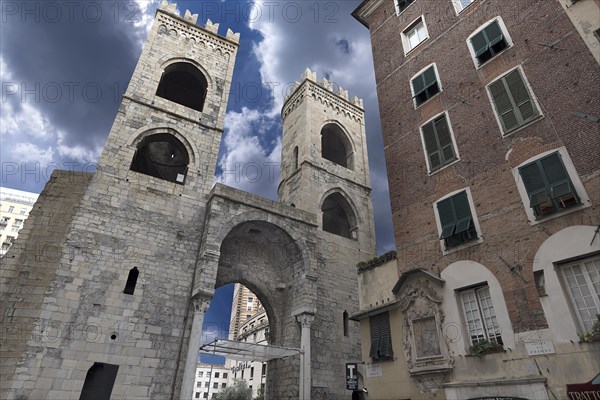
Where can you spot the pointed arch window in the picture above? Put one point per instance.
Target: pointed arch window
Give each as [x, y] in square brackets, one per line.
[163, 156]
[183, 84]
[338, 216]
[336, 147]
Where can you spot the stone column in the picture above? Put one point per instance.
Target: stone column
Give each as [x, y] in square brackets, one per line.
[200, 306]
[305, 320]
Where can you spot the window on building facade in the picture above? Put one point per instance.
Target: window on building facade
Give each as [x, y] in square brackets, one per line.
[425, 85]
[456, 220]
[198, 384]
[402, 4]
[438, 142]
[184, 84]
[548, 185]
[163, 156]
[489, 41]
[338, 216]
[479, 315]
[131, 281]
[264, 369]
[217, 374]
[216, 385]
[18, 223]
[414, 34]
[335, 146]
[582, 279]
[15, 229]
[513, 101]
[224, 375]
[381, 338]
[200, 374]
[23, 211]
[11, 209]
[252, 372]
[197, 395]
[345, 322]
[460, 5]
[207, 384]
[205, 395]
[249, 304]
[223, 385]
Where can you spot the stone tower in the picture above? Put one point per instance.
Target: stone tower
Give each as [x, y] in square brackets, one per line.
[324, 162]
[112, 301]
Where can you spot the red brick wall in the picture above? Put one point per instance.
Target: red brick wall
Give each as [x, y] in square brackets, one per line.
[561, 77]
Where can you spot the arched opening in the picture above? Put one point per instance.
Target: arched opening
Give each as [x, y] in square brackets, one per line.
[235, 313]
[131, 281]
[99, 382]
[163, 156]
[338, 216]
[183, 84]
[335, 146]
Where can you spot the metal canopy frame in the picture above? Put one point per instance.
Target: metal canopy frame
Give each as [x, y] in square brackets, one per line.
[243, 351]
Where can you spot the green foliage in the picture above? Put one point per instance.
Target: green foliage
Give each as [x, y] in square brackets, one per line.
[592, 335]
[239, 391]
[376, 261]
[484, 347]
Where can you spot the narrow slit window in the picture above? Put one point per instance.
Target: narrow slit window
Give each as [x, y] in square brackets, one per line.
[345, 321]
[131, 281]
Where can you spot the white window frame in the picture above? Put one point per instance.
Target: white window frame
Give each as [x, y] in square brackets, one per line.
[509, 42]
[533, 98]
[437, 77]
[398, 12]
[405, 38]
[479, 240]
[458, 7]
[429, 172]
[589, 284]
[475, 290]
[575, 180]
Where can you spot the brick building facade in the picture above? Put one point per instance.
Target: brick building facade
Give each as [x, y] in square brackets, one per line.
[490, 126]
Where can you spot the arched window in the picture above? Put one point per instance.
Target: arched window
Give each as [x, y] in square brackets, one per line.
[338, 217]
[163, 156]
[335, 146]
[184, 84]
[131, 281]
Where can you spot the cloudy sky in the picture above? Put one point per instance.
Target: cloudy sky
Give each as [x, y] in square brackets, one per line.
[64, 66]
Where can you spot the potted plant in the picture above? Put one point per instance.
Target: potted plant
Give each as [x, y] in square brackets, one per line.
[594, 334]
[485, 347]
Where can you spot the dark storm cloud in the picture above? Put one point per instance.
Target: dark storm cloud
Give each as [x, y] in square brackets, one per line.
[343, 45]
[71, 61]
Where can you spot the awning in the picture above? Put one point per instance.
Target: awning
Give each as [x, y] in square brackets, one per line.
[243, 351]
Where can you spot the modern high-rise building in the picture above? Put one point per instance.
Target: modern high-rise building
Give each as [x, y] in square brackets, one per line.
[209, 381]
[15, 206]
[245, 304]
[490, 125]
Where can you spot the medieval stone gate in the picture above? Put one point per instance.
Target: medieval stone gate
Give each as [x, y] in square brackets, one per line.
[109, 281]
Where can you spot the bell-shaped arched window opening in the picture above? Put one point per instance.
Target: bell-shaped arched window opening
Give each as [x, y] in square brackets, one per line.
[335, 146]
[163, 156]
[184, 84]
[131, 281]
[338, 217]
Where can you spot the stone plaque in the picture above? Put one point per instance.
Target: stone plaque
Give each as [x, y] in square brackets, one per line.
[374, 370]
[539, 347]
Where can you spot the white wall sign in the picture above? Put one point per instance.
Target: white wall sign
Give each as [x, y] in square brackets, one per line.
[373, 371]
[539, 347]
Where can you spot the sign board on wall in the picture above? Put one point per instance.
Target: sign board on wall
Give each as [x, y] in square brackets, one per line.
[497, 398]
[351, 376]
[539, 347]
[585, 391]
[374, 371]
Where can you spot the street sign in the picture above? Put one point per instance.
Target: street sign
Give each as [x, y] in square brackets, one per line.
[351, 376]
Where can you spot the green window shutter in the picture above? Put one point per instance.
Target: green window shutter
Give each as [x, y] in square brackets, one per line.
[521, 96]
[479, 43]
[493, 33]
[425, 85]
[438, 143]
[445, 140]
[381, 339]
[431, 146]
[418, 85]
[429, 76]
[447, 218]
[534, 184]
[503, 105]
[553, 169]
